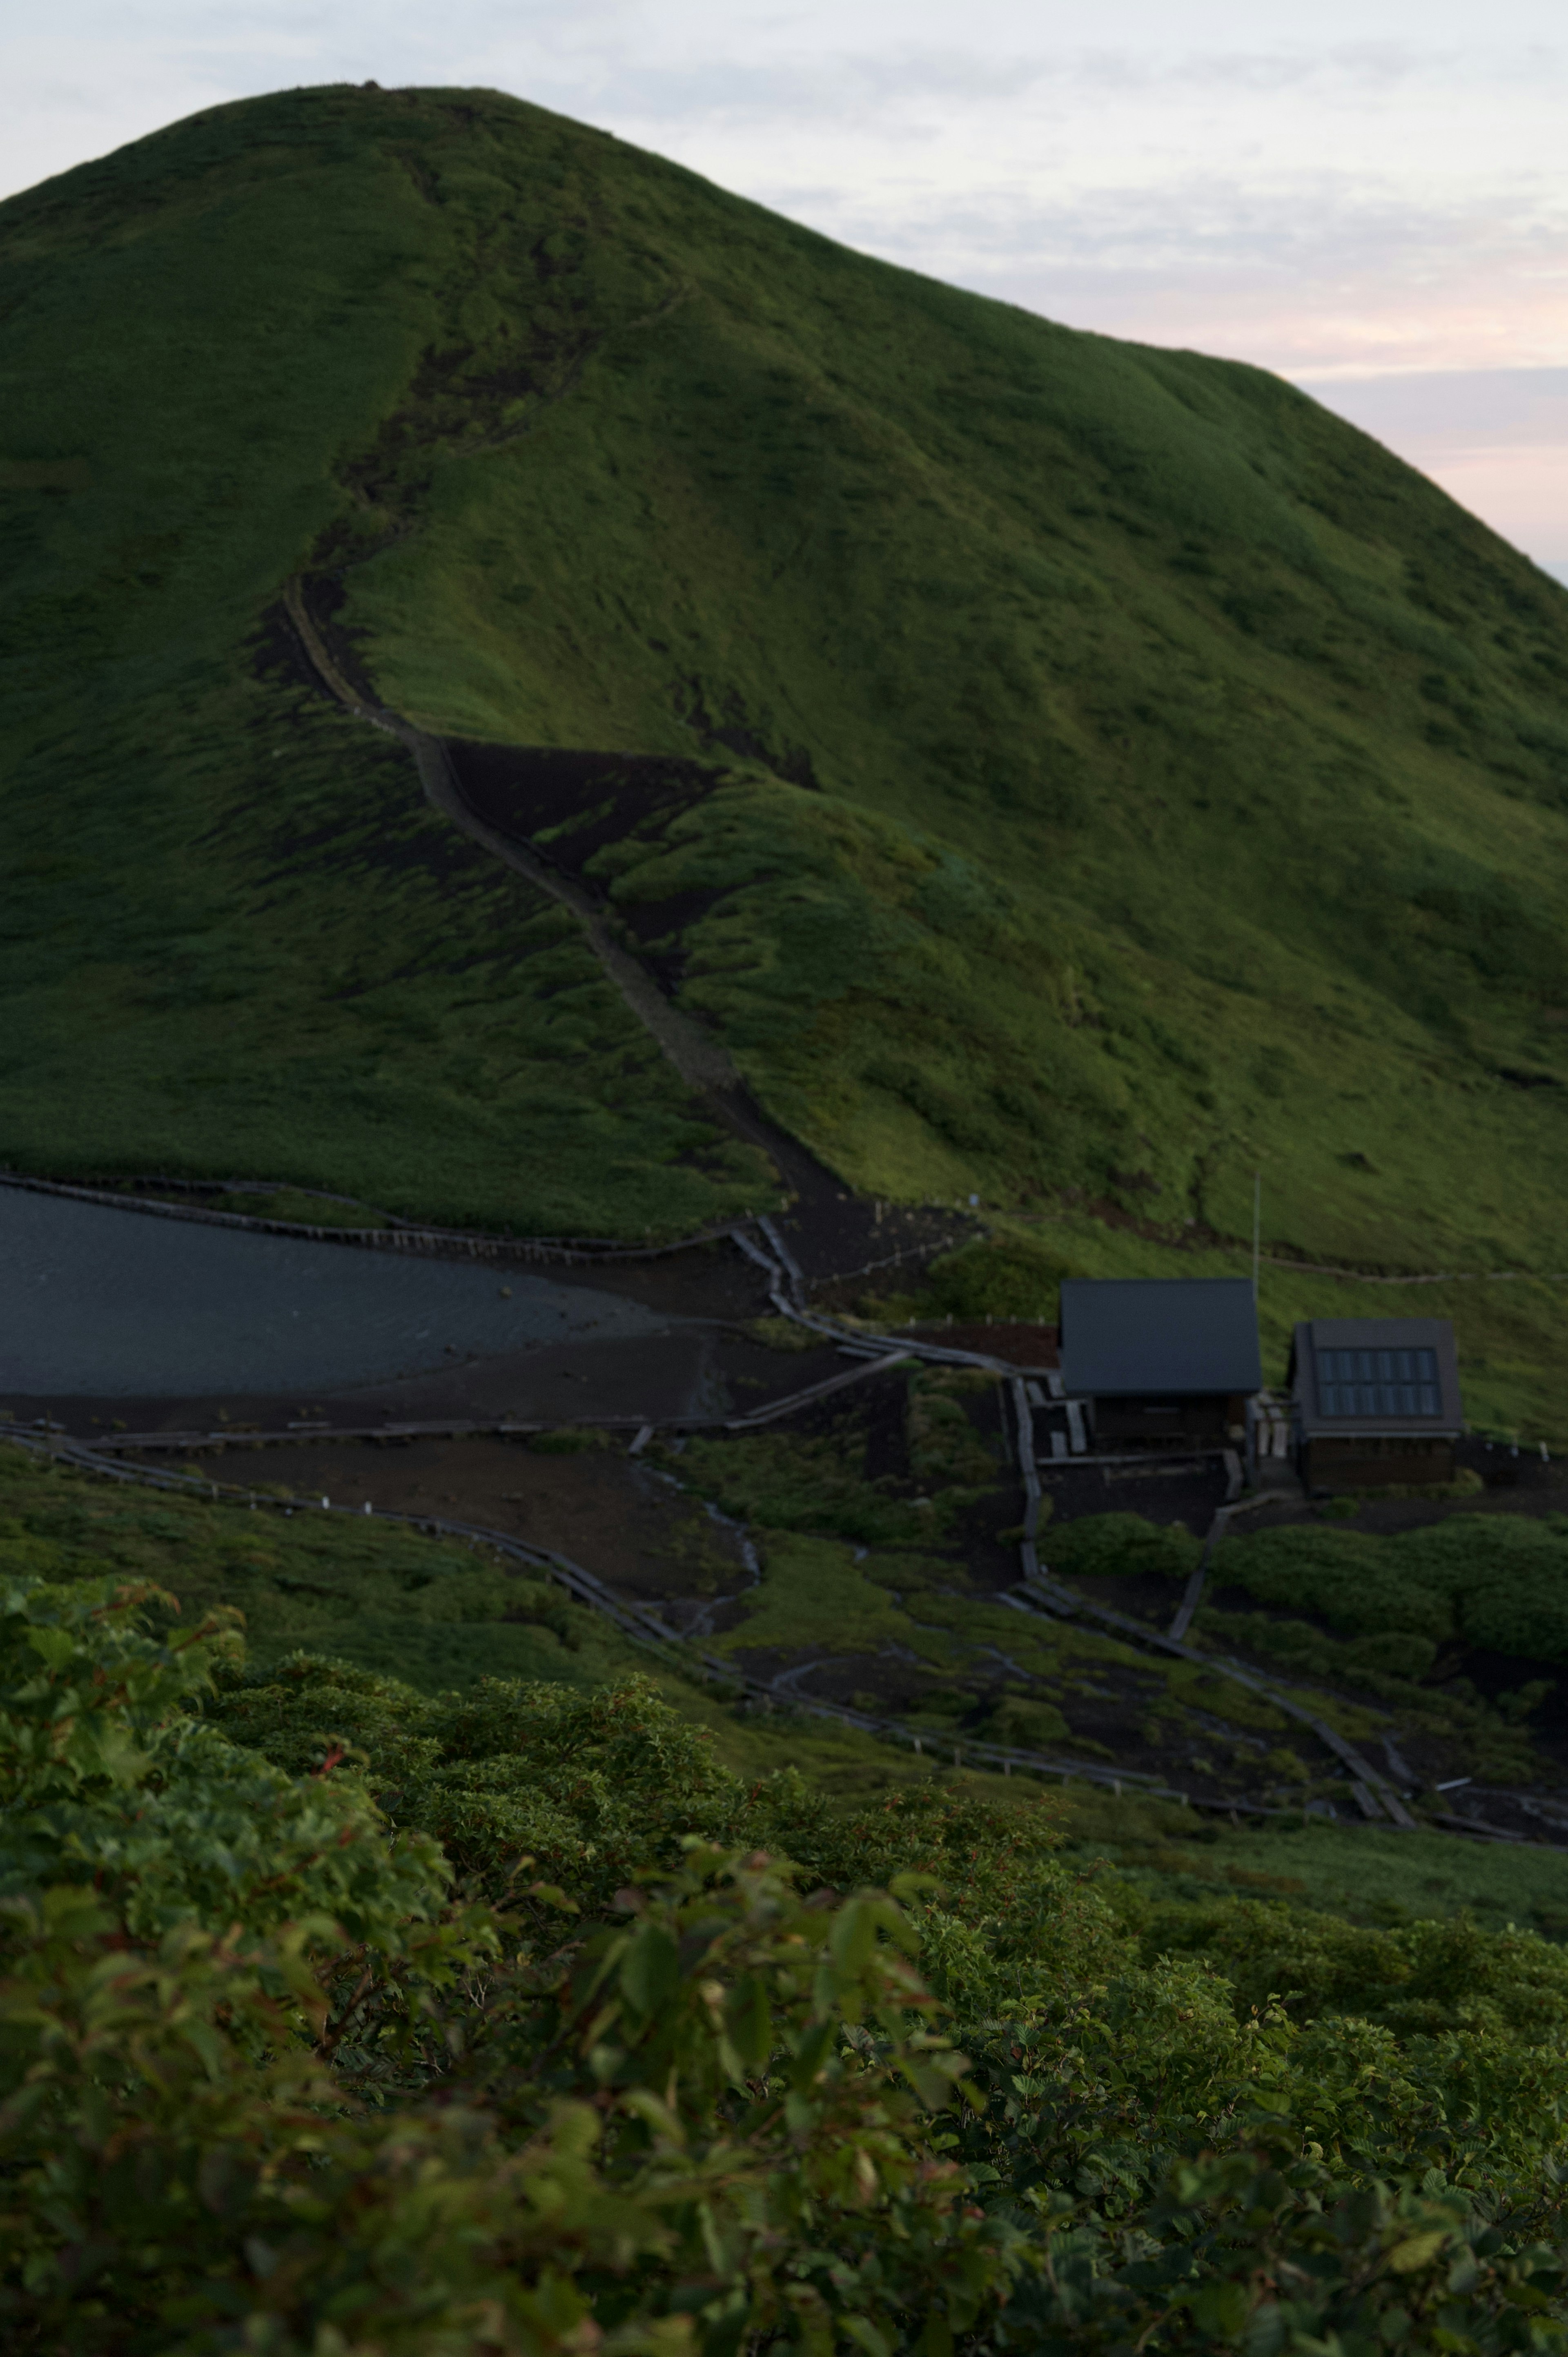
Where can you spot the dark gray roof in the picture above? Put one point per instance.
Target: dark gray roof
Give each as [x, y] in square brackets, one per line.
[1161, 1334]
[1355, 1376]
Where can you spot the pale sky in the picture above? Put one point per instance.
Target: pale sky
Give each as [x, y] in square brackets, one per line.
[1369, 196]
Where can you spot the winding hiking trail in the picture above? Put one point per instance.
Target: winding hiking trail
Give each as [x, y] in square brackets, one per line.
[822, 1226]
[832, 1231]
[644, 1620]
[702, 1060]
[790, 1684]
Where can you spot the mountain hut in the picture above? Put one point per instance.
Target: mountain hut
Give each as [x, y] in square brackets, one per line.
[1374, 1401]
[1161, 1361]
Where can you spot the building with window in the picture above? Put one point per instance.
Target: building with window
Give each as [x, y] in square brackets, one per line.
[1160, 1360]
[1375, 1400]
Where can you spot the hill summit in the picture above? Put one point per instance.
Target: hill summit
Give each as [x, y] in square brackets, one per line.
[1048, 768]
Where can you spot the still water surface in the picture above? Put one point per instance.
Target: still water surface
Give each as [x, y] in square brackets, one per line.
[98, 1301]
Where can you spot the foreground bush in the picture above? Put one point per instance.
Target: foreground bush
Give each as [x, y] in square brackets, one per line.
[638, 2086]
[670, 2132]
[1494, 1580]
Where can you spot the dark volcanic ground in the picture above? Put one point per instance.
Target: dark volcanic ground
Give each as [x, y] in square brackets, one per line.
[946, 1650]
[953, 1653]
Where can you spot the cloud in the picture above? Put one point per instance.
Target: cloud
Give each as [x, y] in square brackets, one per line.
[721, 89]
[1496, 440]
[1202, 223]
[1470, 409]
[1379, 194]
[998, 95]
[1314, 273]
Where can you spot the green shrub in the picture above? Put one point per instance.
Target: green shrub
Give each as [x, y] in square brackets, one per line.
[1027, 1725]
[1005, 1280]
[1499, 1581]
[107, 1779]
[1099, 1546]
[1361, 1584]
[946, 1450]
[789, 1482]
[642, 2131]
[687, 2098]
[1509, 1577]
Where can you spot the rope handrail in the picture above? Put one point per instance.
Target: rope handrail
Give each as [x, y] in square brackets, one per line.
[638, 1622]
[401, 1236]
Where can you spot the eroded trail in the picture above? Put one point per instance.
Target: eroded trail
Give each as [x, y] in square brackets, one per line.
[828, 1229]
[702, 1060]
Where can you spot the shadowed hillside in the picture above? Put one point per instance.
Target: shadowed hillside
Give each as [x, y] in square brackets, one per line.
[1101, 772]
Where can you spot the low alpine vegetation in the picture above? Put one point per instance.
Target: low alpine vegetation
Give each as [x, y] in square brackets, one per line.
[342, 2019]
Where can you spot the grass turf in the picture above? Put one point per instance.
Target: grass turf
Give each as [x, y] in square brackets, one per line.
[873, 1582]
[1125, 776]
[440, 1615]
[1369, 1874]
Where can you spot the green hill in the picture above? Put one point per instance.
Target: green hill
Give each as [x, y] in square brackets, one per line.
[1118, 775]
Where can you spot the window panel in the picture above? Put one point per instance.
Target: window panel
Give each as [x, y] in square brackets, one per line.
[1371, 1384]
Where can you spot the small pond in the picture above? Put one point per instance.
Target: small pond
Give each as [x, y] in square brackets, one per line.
[98, 1301]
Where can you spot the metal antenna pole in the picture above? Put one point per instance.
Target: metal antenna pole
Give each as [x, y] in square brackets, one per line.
[1257, 1229]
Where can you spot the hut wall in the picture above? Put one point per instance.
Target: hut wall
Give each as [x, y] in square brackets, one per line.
[1149, 1418]
[1365, 1460]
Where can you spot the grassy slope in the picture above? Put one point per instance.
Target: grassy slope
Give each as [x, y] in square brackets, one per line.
[428, 1612]
[1184, 778]
[236, 939]
[853, 1567]
[1207, 712]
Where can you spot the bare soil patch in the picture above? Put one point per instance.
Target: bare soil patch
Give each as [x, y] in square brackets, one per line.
[602, 1508]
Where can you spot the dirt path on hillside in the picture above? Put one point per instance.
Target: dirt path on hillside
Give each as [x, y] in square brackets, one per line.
[829, 1230]
[701, 1061]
